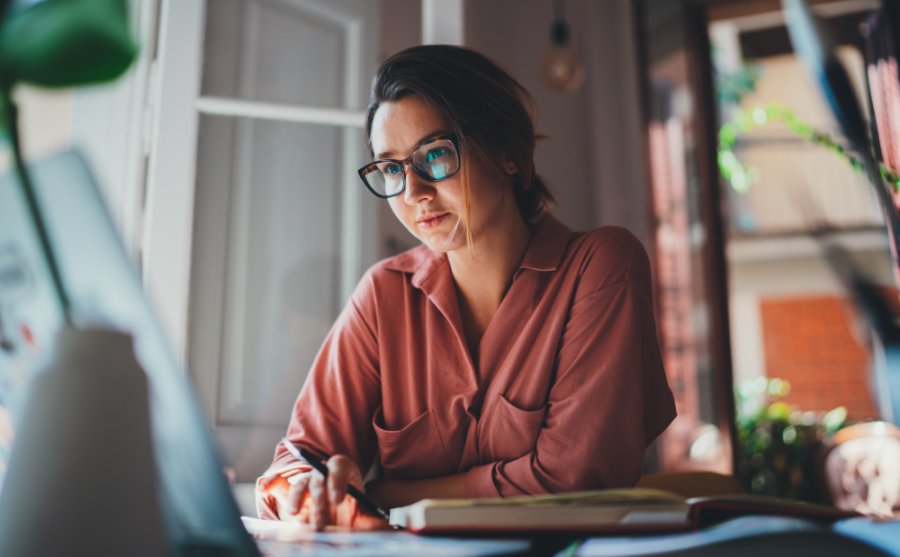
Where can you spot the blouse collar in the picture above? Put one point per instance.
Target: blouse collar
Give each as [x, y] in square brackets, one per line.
[544, 252]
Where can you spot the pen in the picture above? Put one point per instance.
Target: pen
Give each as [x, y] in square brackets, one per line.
[352, 490]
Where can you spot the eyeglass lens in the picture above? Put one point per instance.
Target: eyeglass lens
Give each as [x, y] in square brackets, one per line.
[433, 161]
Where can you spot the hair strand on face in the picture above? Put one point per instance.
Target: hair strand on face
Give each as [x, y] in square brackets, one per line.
[467, 191]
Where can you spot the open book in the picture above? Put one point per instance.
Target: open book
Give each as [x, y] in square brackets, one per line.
[597, 511]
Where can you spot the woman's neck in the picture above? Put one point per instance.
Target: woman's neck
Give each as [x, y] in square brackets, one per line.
[484, 274]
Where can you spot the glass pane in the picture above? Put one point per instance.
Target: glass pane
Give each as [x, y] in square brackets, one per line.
[265, 287]
[275, 51]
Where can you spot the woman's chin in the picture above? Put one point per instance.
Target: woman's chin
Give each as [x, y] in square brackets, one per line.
[442, 243]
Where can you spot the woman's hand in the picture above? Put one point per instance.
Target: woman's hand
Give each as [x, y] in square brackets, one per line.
[308, 497]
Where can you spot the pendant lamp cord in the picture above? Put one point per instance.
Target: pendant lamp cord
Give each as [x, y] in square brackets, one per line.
[12, 117]
[559, 31]
[559, 10]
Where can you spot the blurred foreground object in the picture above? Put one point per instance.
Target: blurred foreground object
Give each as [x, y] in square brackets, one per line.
[859, 468]
[817, 51]
[65, 43]
[198, 512]
[58, 43]
[882, 49]
[82, 477]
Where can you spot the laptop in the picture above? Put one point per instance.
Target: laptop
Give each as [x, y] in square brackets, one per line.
[200, 517]
[199, 514]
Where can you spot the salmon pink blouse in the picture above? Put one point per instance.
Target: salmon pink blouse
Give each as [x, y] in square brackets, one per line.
[567, 391]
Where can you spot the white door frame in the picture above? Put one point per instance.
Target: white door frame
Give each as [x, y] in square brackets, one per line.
[171, 172]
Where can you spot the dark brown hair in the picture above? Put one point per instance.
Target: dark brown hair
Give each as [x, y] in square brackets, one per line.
[492, 115]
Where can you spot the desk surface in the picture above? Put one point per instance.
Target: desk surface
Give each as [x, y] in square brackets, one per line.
[751, 535]
[285, 539]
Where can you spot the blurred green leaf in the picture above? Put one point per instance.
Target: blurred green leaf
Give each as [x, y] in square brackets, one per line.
[65, 43]
[778, 411]
[834, 419]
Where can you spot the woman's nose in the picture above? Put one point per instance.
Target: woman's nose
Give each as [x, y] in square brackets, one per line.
[417, 189]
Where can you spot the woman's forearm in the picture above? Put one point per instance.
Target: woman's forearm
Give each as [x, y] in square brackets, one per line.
[399, 493]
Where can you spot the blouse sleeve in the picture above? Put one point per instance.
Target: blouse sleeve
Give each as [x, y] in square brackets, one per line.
[609, 400]
[333, 414]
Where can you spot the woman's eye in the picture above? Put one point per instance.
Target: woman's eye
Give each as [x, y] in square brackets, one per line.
[437, 153]
[392, 169]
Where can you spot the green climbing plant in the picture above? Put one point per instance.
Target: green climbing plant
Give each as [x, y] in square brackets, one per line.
[741, 177]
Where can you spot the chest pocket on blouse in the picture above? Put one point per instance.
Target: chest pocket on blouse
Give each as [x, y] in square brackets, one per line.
[416, 451]
[510, 432]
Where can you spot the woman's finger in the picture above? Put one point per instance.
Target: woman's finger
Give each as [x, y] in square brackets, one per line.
[299, 485]
[322, 509]
[342, 470]
[266, 501]
[265, 481]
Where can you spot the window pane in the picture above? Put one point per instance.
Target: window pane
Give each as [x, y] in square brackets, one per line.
[266, 267]
[275, 51]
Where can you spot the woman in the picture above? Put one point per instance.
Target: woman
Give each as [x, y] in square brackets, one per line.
[507, 355]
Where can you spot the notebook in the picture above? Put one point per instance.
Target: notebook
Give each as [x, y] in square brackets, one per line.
[632, 510]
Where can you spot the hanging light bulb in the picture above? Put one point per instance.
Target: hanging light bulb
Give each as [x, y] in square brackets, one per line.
[561, 69]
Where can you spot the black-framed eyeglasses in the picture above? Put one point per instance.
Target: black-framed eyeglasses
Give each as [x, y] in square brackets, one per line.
[434, 161]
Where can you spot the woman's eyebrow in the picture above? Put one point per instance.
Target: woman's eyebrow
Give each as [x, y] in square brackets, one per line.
[425, 139]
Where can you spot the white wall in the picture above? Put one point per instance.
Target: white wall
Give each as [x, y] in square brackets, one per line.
[516, 33]
[614, 105]
[593, 161]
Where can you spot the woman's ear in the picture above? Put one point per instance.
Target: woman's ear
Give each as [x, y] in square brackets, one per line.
[509, 166]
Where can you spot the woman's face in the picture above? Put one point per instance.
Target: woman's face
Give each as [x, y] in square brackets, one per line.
[434, 211]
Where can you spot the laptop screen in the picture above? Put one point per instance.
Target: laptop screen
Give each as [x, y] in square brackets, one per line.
[200, 514]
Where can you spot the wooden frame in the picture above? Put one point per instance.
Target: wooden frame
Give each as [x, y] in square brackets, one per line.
[701, 69]
[714, 264]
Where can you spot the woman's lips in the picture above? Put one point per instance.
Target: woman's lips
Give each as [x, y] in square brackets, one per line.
[430, 222]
